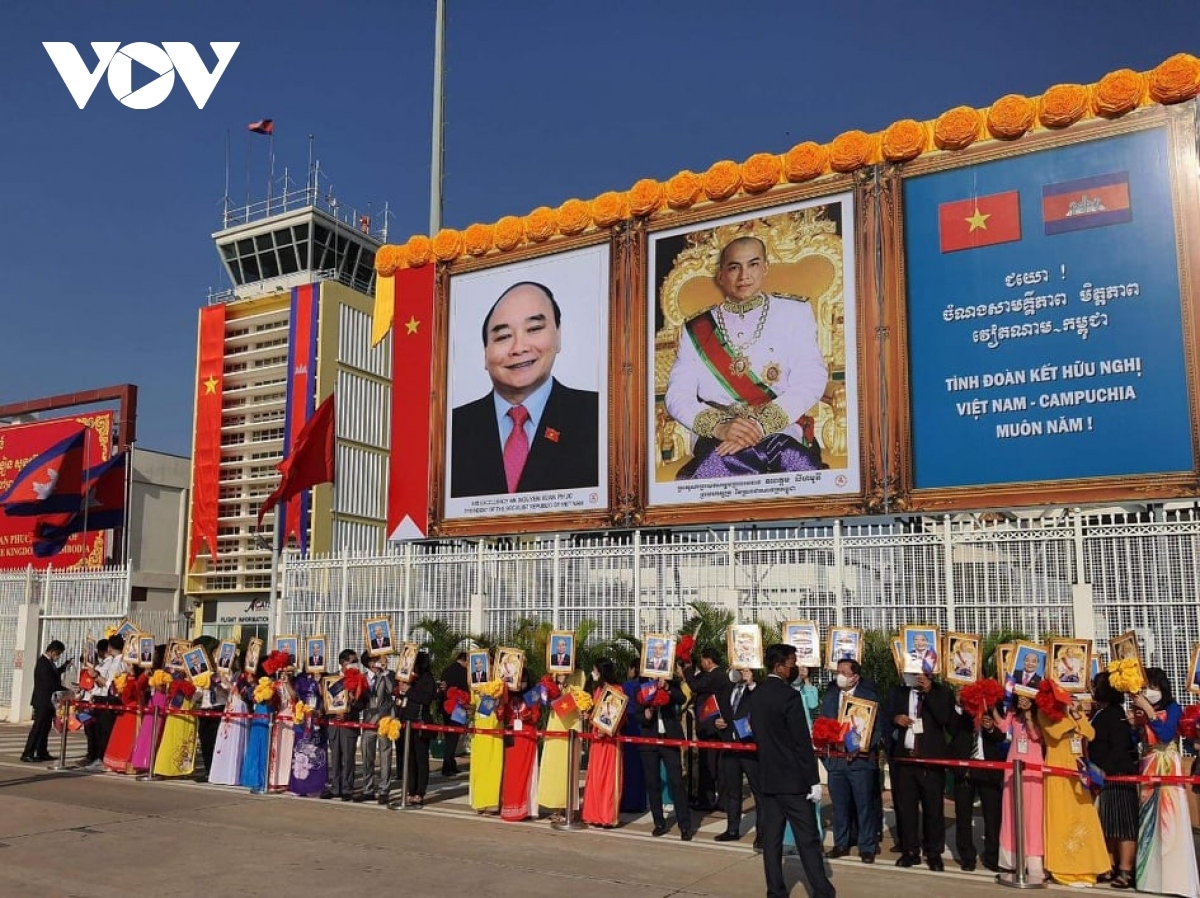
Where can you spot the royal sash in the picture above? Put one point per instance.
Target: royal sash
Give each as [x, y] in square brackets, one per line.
[718, 355]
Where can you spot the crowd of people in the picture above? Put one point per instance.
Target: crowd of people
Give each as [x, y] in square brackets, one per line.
[277, 730]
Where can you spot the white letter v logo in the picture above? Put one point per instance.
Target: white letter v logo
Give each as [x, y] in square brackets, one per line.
[74, 73]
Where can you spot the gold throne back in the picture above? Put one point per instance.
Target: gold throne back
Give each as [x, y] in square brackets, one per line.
[806, 259]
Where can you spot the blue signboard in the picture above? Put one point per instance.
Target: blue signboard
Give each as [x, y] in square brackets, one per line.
[1044, 317]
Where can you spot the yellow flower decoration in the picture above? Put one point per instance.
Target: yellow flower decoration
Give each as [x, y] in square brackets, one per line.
[1118, 92]
[493, 688]
[203, 681]
[1176, 79]
[645, 197]
[300, 711]
[418, 251]
[1011, 116]
[1125, 675]
[851, 150]
[382, 727]
[263, 691]
[574, 216]
[1063, 105]
[160, 679]
[722, 180]
[583, 698]
[609, 208]
[956, 128]
[508, 233]
[447, 245]
[760, 172]
[805, 161]
[904, 140]
[541, 224]
[477, 239]
[393, 730]
[121, 680]
[110, 632]
[683, 189]
[388, 259]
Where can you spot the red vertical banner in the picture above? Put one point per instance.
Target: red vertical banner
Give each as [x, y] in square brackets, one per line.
[206, 448]
[412, 372]
[301, 400]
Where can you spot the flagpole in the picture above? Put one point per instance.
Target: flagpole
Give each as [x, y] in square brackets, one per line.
[435, 169]
[128, 553]
[273, 599]
[249, 154]
[270, 166]
[225, 216]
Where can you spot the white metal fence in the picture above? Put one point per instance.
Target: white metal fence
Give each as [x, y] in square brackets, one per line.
[1069, 573]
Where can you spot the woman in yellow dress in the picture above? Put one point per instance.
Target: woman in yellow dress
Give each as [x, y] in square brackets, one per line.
[1074, 842]
[177, 751]
[552, 775]
[487, 752]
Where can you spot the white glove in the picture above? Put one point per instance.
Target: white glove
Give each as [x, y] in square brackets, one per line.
[814, 794]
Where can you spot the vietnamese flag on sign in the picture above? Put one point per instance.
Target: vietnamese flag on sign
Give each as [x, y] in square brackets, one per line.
[980, 221]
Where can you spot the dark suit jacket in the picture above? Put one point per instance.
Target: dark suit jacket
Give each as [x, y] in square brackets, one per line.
[569, 458]
[936, 718]
[962, 746]
[725, 703]
[831, 703]
[668, 713]
[714, 682]
[1114, 749]
[455, 676]
[1034, 681]
[786, 762]
[47, 680]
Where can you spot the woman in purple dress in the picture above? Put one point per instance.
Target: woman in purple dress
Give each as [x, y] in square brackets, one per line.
[310, 765]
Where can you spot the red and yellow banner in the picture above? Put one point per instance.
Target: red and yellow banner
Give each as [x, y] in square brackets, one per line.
[206, 451]
[980, 221]
[301, 399]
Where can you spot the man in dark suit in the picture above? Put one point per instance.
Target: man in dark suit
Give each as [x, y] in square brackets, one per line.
[730, 726]
[47, 680]
[531, 432]
[453, 677]
[1028, 674]
[663, 721]
[561, 656]
[854, 780]
[707, 679]
[918, 717]
[789, 780]
[982, 743]
[479, 673]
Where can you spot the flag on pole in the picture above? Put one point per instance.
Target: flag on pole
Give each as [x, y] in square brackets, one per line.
[263, 126]
[100, 507]
[51, 483]
[310, 461]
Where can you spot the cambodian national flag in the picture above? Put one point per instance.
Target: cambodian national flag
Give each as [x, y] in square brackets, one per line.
[101, 507]
[51, 483]
[710, 709]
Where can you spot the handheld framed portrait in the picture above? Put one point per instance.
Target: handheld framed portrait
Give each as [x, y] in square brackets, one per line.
[560, 651]
[253, 652]
[226, 655]
[127, 630]
[377, 633]
[610, 710]
[173, 658]
[406, 662]
[898, 654]
[1194, 671]
[921, 649]
[88, 652]
[316, 654]
[744, 643]
[479, 667]
[658, 656]
[1028, 667]
[145, 651]
[1126, 646]
[196, 661]
[337, 699]
[527, 384]
[842, 643]
[751, 327]
[962, 657]
[509, 664]
[1069, 662]
[805, 637]
[1002, 657]
[859, 715]
[289, 644]
[132, 647]
[1095, 665]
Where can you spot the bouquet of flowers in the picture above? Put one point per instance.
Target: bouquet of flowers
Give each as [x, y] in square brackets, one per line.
[355, 681]
[455, 698]
[1189, 724]
[276, 662]
[685, 647]
[550, 689]
[492, 688]
[180, 690]
[583, 700]
[1052, 700]
[1125, 675]
[204, 680]
[160, 680]
[981, 696]
[300, 712]
[828, 733]
[389, 728]
[263, 691]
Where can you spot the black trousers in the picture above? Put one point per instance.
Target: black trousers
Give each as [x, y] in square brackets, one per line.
[920, 815]
[106, 719]
[988, 785]
[776, 811]
[708, 782]
[450, 751]
[418, 764]
[652, 757]
[38, 741]
[735, 765]
[343, 759]
[206, 731]
[92, 734]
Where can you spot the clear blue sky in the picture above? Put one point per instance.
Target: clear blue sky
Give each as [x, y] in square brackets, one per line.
[107, 252]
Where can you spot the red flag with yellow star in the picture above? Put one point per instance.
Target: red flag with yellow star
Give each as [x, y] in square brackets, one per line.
[980, 221]
[412, 381]
[206, 448]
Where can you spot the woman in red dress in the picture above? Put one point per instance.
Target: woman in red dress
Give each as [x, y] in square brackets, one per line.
[119, 754]
[518, 788]
[602, 789]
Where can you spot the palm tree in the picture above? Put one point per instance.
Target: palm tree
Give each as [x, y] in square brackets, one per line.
[708, 626]
[878, 662]
[440, 640]
[998, 637]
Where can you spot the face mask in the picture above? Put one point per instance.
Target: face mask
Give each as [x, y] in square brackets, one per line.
[910, 680]
[1153, 696]
[793, 675]
[844, 682]
[595, 676]
[735, 676]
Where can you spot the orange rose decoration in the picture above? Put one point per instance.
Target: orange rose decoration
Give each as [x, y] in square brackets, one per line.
[447, 245]
[722, 180]
[541, 224]
[574, 217]
[683, 189]
[1063, 105]
[508, 232]
[478, 239]
[645, 197]
[418, 250]
[805, 161]
[1011, 116]
[388, 259]
[761, 172]
[1118, 92]
[609, 208]
[904, 140]
[956, 128]
[851, 150]
[1176, 79]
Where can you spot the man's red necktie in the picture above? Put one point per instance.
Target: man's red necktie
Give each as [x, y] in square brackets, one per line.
[516, 447]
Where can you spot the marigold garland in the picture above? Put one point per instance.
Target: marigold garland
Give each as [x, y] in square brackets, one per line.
[851, 150]
[263, 691]
[1011, 116]
[956, 128]
[609, 208]
[1125, 675]
[722, 180]
[1118, 92]
[203, 681]
[760, 172]
[447, 245]
[1063, 105]
[1176, 79]
[904, 140]
[388, 259]
[645, 197]
[477, 239]
[574, 216]
[418, 251]
[683, 189]
[541, 224]
[160, 680]
[508, 232]
[805, 161]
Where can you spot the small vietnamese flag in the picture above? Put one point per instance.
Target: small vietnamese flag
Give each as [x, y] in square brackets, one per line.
[980, 221]
[552, 434]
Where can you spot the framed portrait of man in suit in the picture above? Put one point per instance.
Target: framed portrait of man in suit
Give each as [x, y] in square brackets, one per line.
[316, 654]
[145, 649]
[527, 387]
[196, 662]
[479, 668]
[843, 642]
[1028, 667]
[377, 631]
[922, 646]
[560, 651]
[289, 644]
[226, 655]
[745, 647]
[658, 656]
[89, 649]
[805, 638]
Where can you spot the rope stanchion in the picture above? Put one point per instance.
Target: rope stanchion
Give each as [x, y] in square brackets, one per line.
[1017, 879]
[573, 822]
[65, 710]
[406, 759]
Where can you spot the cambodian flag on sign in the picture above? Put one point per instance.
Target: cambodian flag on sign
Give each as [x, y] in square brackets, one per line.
[1086, 203]
[51, 483]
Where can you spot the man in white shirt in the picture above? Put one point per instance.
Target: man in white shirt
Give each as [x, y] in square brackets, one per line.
[111, 667]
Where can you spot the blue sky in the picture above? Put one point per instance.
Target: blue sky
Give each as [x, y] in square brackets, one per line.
[107, 252]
